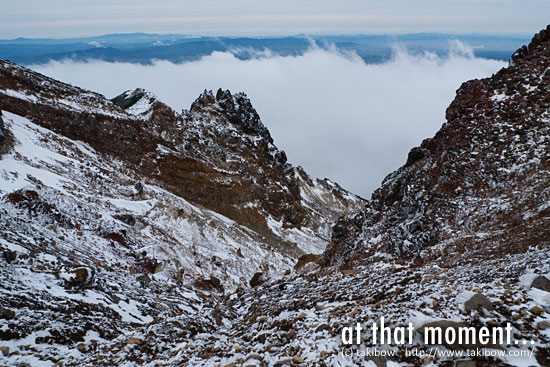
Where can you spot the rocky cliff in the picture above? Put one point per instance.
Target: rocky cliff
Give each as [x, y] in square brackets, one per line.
[218, 154]
[479, 187]
[114, 213]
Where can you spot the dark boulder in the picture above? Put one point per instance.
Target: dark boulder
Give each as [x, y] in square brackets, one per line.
[257, 279]
[6, 314]
[144, 280]
[10, 256]
[139, 188]
[542, 283]
[81, 276]
[415, 155]
[322, 327]
[126, 219]
[477, 302]
[209, 284]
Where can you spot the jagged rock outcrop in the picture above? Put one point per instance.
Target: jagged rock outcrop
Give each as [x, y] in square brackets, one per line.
[144, 105]
[115, 216]
[218, 154]
[479, 187]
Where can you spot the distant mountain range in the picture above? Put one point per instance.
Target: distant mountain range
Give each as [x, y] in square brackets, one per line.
[144, 48]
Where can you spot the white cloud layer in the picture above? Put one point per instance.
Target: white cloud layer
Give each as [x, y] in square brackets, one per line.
[332, 113]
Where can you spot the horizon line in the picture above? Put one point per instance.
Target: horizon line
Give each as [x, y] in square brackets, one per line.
[296, 35]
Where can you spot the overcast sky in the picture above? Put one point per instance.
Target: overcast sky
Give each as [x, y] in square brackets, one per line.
[69, 18]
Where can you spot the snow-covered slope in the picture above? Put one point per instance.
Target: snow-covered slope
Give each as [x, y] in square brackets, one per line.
[101, 200]
[210, 180]
[459, 234]
[116, 216]
[73, 269]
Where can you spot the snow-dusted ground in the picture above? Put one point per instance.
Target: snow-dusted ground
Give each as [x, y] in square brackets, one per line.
[151, 256]
[301, 319]
[178, 234]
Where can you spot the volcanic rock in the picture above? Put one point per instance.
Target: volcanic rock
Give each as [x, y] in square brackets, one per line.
[537, 310]
[5, 351]
[6, 314]
[478, 173]
[9, 256]
[477, 302]
[542, 283]
[257, 279]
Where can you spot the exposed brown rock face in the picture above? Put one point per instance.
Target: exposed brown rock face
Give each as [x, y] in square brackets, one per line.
[74, 112]
[231, 166]
[480, 185]
[218, 154]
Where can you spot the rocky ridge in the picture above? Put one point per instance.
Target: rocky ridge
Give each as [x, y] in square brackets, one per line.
[112, 217]
[198, 154]
[457, 236]
[477, 188]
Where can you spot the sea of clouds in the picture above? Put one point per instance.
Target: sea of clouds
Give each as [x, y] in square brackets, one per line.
[332, 113]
